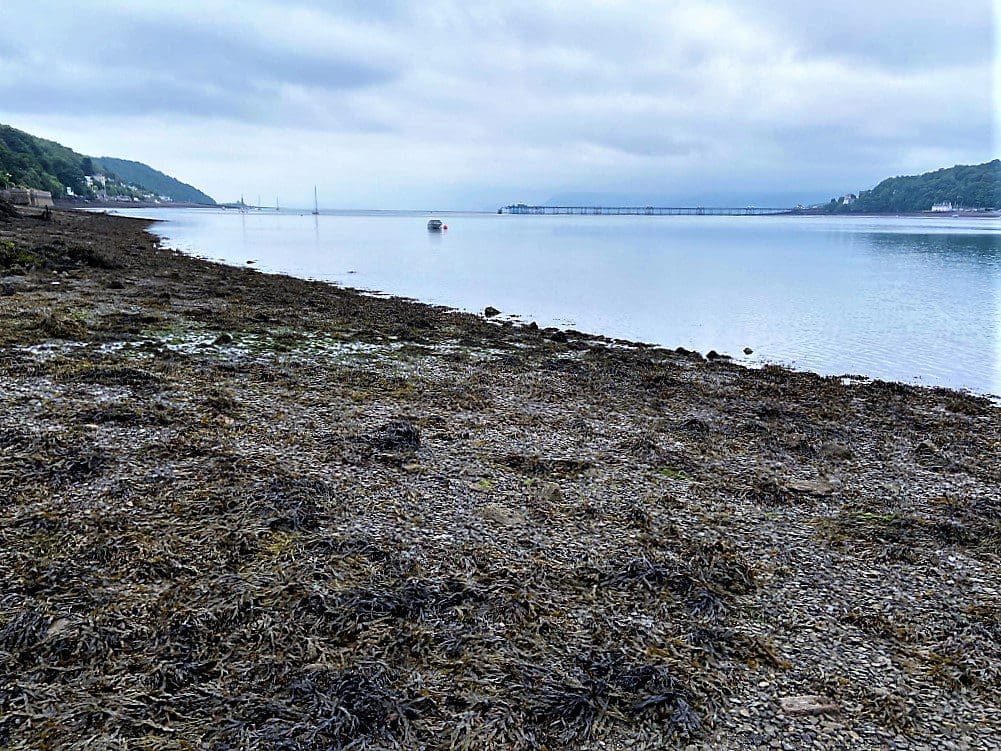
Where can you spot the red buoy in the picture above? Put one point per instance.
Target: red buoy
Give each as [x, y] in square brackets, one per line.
[444, 226]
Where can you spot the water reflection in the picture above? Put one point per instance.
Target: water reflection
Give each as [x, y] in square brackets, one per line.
[981, 250]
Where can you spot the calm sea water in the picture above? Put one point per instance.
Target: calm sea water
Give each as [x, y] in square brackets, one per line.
[907, 299]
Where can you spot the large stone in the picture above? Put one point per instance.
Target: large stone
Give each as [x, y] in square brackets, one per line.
[807, 705]
[501, 515]
[819, 487]
[11, 284]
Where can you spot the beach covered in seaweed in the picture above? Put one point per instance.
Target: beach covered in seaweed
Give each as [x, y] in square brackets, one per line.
[241, 510]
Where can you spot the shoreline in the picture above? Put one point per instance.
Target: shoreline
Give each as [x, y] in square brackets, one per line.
[67, 204]
[78, 205]
[254, 508]
[507, 318]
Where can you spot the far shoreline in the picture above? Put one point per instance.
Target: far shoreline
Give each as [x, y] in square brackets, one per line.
[74, 205]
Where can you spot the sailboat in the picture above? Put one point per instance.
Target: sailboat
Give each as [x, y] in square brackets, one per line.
[316, 206]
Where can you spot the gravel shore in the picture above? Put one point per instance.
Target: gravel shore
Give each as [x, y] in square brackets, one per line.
[246, 511]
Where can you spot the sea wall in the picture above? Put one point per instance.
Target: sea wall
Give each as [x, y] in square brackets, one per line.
[27, 197]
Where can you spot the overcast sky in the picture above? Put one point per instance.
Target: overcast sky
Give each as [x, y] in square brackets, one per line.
[468, 104]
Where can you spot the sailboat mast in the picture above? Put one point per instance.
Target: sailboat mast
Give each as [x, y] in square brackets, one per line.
[316, 205]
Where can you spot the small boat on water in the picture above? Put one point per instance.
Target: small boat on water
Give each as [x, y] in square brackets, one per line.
[435, 225]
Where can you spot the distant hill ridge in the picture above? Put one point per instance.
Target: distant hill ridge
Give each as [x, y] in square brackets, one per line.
[145, 176]
[46, 165]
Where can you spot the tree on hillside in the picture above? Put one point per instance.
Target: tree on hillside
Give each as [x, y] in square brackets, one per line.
[976, 186]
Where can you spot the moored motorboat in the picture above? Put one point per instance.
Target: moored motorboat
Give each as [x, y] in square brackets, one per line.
[435, 225]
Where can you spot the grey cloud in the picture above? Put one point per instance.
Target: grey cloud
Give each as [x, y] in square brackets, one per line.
[144, 97]
[371, 10]
[8, 50]
[646, 144]
[218, 56]
[169, 66]
[888, 34]
[124, 97]
[648, 94]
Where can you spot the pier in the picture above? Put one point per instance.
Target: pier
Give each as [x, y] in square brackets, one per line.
[520, 208]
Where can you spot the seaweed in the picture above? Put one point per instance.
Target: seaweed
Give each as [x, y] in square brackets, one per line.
[239, 546]
[114, 375]
[399, 435]
[54, 459]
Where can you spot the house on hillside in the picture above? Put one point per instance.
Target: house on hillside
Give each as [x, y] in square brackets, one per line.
[942, 207]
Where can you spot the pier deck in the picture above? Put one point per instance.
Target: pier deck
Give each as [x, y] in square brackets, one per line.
[644, 210]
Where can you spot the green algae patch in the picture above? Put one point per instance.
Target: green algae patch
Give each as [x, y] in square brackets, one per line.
[673, 473]
[14, 257]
